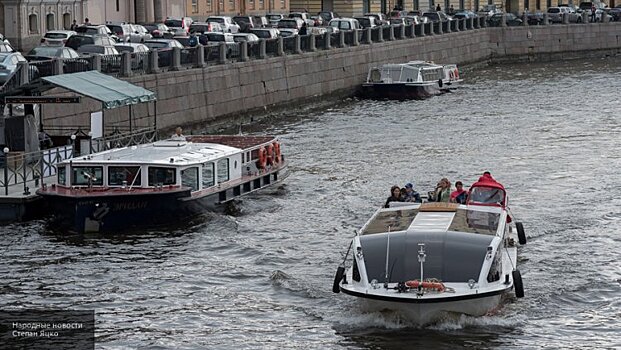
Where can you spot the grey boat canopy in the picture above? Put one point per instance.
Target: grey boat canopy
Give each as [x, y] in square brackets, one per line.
[112, 92]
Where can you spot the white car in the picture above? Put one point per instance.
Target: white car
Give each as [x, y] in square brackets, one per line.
[56, 37]
[247, 37]
[345, 23]
[226, 22]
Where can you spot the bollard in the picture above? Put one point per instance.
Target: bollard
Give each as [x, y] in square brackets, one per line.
[326, 40]
[342, 38]
[422, 28]
[565, 18]
[153, 62]
[503, 20]
[546, 19]
[200, 56]
[96, 60]
[585, 17]
[262, 49]
[380, 35]
[439, 26]
[297, 44]
[126, 64]
[525, 19]
[605, 18]
[176, 59]
[483, 23]
[57, 66]
[356, 41]
[391, 33]
[280, 50]
[312, 47]
[222, 52]
[401, 31]
[243, 51]
[24, 77]
[413, 26]
[369, 38]
[476, 22]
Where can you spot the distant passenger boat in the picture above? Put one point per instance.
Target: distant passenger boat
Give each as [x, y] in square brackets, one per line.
[412, 80]
[161, 183]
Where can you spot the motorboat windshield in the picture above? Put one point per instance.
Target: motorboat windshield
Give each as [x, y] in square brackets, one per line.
[487, 191]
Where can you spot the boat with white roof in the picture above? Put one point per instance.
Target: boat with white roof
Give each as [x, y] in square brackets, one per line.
[162, 182]
[411, 80]
[429, 260]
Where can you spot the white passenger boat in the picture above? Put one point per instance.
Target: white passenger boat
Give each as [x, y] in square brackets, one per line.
[427, 261]
[161, 183]
[412, 80]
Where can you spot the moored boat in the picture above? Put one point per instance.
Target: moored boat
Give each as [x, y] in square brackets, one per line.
[429, 260]
[411, 80]
[162, 182]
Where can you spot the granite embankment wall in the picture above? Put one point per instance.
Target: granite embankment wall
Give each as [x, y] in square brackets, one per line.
[235, 92]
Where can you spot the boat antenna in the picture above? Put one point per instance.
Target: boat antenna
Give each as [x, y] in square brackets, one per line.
[421, 259]
[387, 252]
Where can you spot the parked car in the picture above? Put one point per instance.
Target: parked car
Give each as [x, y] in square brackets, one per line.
[246, 23]
[367, 22]
[8, 65]
[98, 50]
[436, 16]
[138, 53]
[464, 14]
[511, 20]
[141, 33]
[488, 10]
[380, 18]
[96, 30]
[289, 26]
[328, 16]
[214, 40]
[205, 27]
[75, 41]
[164, 49]
[397, 13]
[226, 22]
[247, 37]
[71, 59]
[159, 30]
[303, 16]
[535, 18]
[6, 47]
[273, 18]
[615, 13]
[413, 19]
[317, 21]
[122, 30]
[179, 24]
[56, 37]
[266, 33]
[345, 23]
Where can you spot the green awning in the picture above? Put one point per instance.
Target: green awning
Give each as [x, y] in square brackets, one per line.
[112, 92]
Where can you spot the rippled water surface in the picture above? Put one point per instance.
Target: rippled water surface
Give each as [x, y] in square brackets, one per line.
[550, 132]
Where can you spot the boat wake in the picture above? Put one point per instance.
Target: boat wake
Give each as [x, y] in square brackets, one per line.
[282, 280]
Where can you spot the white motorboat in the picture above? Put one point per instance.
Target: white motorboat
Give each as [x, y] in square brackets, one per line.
[411, 80]
[429, 260]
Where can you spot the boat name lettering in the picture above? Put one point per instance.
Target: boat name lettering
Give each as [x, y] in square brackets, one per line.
[130, 205]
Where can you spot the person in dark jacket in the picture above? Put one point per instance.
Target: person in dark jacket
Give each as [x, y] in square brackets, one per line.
[303, 30]
[395, 196]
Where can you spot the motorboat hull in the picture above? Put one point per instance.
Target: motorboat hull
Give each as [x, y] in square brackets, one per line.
[400, 91]
[121, 210]
[430, 310]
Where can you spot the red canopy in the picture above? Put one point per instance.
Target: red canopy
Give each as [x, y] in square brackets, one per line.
[487, 181]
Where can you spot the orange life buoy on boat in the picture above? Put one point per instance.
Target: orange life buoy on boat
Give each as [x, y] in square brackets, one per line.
[270, 154]
[456, 74]
[277, 151]
[262, 161]
[438, 286]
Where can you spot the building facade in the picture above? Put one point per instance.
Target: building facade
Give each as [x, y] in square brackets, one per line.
[23, 22]
[199, 10]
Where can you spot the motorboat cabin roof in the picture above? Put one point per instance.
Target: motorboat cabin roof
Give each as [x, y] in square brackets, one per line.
[166, 152]
[435, 217]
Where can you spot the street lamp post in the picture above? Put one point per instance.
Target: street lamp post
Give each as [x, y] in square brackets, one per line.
[6, 171]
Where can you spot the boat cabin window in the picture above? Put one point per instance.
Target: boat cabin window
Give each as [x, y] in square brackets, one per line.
[82, 174]
[223, 170]
[208, 175]
[474, 221]
[118, 174]
[62, 175]
[162, 176]
[189, 178]
[486, 195]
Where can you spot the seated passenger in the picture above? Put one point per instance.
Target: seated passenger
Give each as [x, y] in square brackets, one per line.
[459, 195]
[410, 194]
[443, 191]
[178, 135]
[395, 196]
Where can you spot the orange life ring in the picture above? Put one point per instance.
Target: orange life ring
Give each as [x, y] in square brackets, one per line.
[262, 161]
[438, 286]
[277, 150]
[456, 74]
[270, 154]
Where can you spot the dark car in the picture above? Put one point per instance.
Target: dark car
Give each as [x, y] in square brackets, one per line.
[615, 13]
[164, 49]
[535, 18]
[75, 41]
[465, 14]
[511, 20]
[327, 16]
[72, 62]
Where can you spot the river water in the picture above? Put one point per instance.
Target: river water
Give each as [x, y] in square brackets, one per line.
[551, 133]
